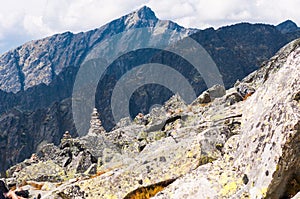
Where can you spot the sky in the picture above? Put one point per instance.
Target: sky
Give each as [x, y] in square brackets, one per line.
[25, 20]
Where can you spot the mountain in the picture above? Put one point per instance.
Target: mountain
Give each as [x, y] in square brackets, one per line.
[242, 143]
[287, 26]
[37, 79]
[40, 62]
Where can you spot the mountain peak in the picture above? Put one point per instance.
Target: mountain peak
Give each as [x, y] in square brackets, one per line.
[287, 26]
[144, 15]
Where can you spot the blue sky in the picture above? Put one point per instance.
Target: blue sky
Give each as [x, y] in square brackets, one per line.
[22, 21]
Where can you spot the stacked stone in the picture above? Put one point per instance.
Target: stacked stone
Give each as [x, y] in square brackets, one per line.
[67, 135]
[95, 123]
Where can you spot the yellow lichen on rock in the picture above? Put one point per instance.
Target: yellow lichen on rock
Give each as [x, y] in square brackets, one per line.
[229, 189]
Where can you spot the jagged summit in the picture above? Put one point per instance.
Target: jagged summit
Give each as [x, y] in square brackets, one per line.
[146, 13]
[144, 16]
[287, 26]
[39, 62]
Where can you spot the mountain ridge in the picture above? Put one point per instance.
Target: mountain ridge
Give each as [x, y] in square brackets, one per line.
[143, 17]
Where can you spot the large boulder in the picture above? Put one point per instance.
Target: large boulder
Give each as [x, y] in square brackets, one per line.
[42, 171]
[263, 161]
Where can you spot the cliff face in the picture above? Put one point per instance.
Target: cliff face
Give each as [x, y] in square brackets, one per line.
[23, 131]
[242, 143]
[38, 76]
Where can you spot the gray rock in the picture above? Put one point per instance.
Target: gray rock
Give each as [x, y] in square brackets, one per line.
[263, 161]
[233, 98]
[41, 172]
[244, 89]
[216, 91]
[96, 144]
[122, 123]
[210, 94]
[203, 98]
[174, 104]
[73, 192]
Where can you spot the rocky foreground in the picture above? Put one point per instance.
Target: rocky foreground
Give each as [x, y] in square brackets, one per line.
[239, 143]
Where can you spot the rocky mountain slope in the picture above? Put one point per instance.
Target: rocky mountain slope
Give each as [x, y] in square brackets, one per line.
[37, 78]
[243, 144]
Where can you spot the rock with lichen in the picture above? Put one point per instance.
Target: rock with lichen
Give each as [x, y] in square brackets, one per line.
[41, 172]
[56, 163]
[263, 160]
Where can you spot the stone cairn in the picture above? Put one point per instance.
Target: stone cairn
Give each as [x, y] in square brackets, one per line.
[67, 135]
[95, 123]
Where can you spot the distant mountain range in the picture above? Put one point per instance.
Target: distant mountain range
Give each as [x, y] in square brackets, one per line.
[37, 78]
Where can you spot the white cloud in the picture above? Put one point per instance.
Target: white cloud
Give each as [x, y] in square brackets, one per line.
[35, 26]
[218, 13]
[21, 21]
